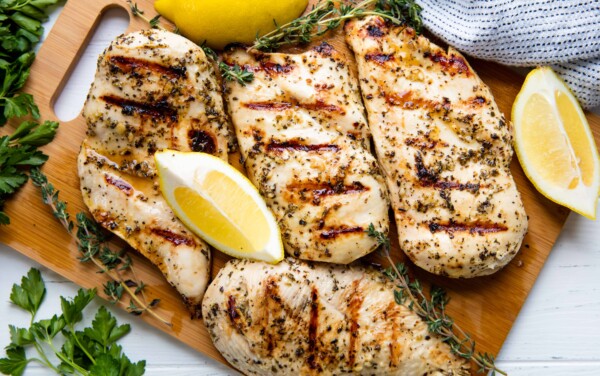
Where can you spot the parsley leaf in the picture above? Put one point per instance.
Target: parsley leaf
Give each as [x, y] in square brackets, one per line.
[104, 328]
[34, 134]
[20, 336]
[72, 309]
[15, 361]
[30, 293]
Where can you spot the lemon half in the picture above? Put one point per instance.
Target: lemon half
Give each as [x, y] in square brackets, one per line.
[219, 204]
[554, 143]
[220, 22]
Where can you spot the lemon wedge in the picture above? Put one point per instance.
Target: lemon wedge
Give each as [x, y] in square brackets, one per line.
[554, 143]
[219, 204]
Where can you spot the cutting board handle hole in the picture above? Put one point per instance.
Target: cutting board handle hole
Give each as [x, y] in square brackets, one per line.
[70, 100]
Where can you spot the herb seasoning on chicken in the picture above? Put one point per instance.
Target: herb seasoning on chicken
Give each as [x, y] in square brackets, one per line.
[445, 149]
[153, 90]
[297, 318]
[304, 138]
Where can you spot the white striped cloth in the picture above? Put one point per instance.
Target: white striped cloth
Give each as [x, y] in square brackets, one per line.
[564, 34]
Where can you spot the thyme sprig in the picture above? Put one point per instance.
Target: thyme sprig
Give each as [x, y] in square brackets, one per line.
[329, 15]
[154, 22]
[432, 310]
[236, 73]
[93, 246]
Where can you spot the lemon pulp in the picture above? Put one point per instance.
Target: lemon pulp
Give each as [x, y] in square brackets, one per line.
[550, 155]
[582, 145]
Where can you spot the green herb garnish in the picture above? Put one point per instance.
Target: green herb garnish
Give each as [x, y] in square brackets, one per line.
[19, 151]
[432, 310]
[92, 243]
[92, 350]
[20, 30]
[327, 15]
[236, 73]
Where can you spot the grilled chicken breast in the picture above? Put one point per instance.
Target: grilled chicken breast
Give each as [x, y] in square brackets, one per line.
[303, 135]
[444, 148]
[297, 318]
[153, 90]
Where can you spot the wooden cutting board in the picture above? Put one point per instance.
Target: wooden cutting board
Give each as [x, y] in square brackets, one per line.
[485, 307]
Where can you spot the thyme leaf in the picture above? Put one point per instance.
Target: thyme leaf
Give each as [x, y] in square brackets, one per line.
[92, 244]
[431, 309]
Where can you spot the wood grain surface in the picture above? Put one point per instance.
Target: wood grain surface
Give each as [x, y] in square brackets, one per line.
[485, 307]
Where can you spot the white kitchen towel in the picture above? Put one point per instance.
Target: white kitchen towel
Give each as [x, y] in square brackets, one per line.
[564, 34]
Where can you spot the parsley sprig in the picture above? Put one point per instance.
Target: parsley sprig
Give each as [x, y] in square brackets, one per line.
[431, 309]
[92, 350]
[20, 30]
[329, 15]
[92, 243]
[18, 151]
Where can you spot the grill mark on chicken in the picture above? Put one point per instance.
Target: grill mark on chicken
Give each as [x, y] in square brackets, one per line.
[319, 105]
[408, 101]
[324, 49]
[430, 178]
[426, 176]
[377, 29]
[105, 219]
[274, 68]
[473, 187]
[176, 239]
[335, 232]
[452, 64]
[356, 300]
[270, 68]
[477, 101]
[315, 191]
[201, 141]
[479, 228]
[313, 325]
[379, 58]
[391, 313]
[424, 143]
[272, 306]
[231, 309]
[270, 106]
[128, 64]
[296, 145]
[159, 109]
[120, 184]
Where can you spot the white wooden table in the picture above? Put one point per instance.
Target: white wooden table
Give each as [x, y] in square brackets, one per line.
[556, 333]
